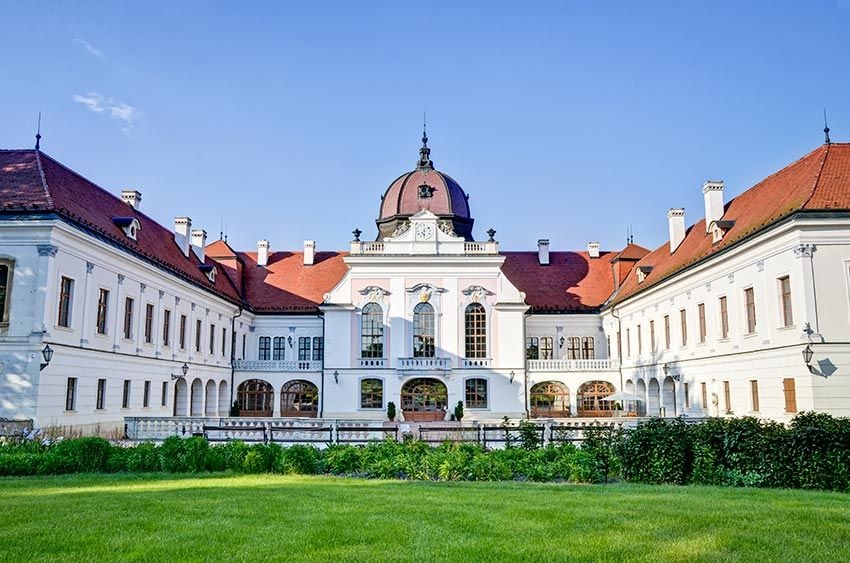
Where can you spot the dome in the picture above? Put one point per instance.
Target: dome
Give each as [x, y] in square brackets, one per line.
[424, 188]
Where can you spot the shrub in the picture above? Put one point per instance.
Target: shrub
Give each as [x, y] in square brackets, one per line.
[118, 458]
[19, 463]
[233, 454]
[530, 437]
[84, 455]
[178, 455]
[297, 460]
[261, 458]
[820, 447]
[657, 451]
[459, 411]
[342, 460]
[391, 410]
[143, 458]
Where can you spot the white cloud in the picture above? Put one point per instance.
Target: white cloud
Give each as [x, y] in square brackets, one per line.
[88, 47]
[119, 111]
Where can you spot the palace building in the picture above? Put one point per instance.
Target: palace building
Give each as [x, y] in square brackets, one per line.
[107, 314]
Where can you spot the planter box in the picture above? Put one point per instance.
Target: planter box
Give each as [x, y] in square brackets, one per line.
[425, 416]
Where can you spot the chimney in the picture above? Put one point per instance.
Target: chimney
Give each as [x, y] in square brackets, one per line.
[543, 251]
[182, 228]
[712, 191]
[199, 242]
[593, 249]
[133, 198]
[309, 252]
[262, 253]
[676, 218]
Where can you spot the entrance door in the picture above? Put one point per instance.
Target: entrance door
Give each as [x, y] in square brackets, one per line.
[424, 400]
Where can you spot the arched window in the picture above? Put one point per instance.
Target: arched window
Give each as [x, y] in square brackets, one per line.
[371, 393]
[255, 398]
[279, 350]
[550, 398]
[424, 400]
[590, 397]
[475, 321]
[476, 393]
[372, 332]
[299, 398]
[265, 346]
[423, 331]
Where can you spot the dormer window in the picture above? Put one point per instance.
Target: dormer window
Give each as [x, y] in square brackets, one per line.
[208, 270]
[130, 226]
[642, 272]
[426, 191]
[719, 230]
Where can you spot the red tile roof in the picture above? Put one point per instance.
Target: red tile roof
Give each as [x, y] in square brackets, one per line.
[286, 285]
[571, 282]
[816, 182]
[32, 182]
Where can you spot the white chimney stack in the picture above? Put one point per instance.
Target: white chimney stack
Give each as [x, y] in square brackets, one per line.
[712, 191]
[593, 249]
[182, 228]
[262, 253]
[309, 252]
[199, 242]
[676, 218]
[133, 198]
[543, 251]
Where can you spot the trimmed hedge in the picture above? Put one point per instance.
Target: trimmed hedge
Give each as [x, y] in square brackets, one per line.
[813, 452]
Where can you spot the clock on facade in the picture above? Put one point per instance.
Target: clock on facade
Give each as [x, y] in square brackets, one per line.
[424, 231]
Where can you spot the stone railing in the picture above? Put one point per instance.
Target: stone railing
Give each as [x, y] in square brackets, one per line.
[372, 362]
[573, 365]
[277, 365]
[439, 364]
[475, 363]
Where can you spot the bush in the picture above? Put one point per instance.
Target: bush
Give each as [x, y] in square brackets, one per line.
[84, 455]
[297, 460]
[342, 460]
[233, 454]
[658, 451]
[143, 458]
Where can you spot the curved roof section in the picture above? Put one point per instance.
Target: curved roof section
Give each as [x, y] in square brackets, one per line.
[402, 196]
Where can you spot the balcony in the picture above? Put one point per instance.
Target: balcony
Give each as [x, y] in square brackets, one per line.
[424, 364]
[372, 362]
[475, 363]
[277, 365]
[573, 365]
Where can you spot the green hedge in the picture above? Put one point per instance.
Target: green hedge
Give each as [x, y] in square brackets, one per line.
[813, 452]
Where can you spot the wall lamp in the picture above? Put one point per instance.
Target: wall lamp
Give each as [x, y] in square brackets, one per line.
[666, 369]
[807, 354]
[184, 369]
[561, 342]
[512, 376]
[336, 377]
[289, 340]
[47, 355]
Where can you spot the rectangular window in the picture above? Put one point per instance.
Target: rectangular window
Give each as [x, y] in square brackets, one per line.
[750, 303]
[652, 336]
[149, 323]
[128, 318]
[532, 348]
[71, 394]
[628, 343]
[687, 395]
[166, 328]
[102, 310]
[265, 343]
[640, 340]
[212, 339]
[5, 284]
[125, 397]
[164, 399]
[199, 328]
[702, 328]
[724, 318]
[547, 347]
[318, 348]
[703, 389]
[727, 397]
[785, 300]
[182, 332]
[476, 393]
[683, 317]
[790, 392]
[371, 394]
[223, 341]
[303, 348]
[666, 332]
[588, 348]
[754, 394]
[244, 343]
[146, 395]
[279, 350]
[101, 394]
[66, 293]
[574, 348]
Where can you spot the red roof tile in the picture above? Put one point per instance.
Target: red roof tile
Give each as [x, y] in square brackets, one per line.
[818, 181]
[571, 282]
[31, 181]
[286, 285]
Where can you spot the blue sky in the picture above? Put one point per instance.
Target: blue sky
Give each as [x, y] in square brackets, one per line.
[287, 121]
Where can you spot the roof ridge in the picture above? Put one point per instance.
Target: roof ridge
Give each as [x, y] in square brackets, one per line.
[43, 179]
[817, 178]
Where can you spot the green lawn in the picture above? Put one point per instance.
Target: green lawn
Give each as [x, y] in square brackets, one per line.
[252, 518]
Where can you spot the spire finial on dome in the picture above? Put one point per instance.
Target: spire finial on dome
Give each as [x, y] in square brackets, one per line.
[825, 128]
[38, 134]
[425, 162]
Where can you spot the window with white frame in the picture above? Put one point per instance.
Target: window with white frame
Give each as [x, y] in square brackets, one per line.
[372, 331]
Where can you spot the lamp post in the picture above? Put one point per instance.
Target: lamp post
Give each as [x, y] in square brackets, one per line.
[47, 355]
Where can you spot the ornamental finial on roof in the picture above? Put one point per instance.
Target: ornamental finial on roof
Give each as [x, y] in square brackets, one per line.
[38, 134]
[825, 128]
[425, 162]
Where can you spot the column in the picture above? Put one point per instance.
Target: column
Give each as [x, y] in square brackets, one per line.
[85, 309]
[157, 325]
[118, 326]
[45, 253]
[141, 309]
[805, 298]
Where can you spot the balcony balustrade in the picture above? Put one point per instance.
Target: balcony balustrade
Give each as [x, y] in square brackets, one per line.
[277, 365]
[573, 365]
[475, 363]
[372, 362]
[424, 364]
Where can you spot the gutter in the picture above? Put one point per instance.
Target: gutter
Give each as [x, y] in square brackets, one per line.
[233, 355]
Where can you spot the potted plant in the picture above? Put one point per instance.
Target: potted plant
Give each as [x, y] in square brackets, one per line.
[459, 411]
[234, 409]
[391, 411]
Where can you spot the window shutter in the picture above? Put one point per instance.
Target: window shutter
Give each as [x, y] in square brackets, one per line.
[790, 394]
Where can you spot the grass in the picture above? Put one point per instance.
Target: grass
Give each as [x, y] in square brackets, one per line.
[262, 517]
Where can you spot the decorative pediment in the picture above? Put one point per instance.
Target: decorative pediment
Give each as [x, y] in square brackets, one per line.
[374, 293]
[425, 291]
[477, 293]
